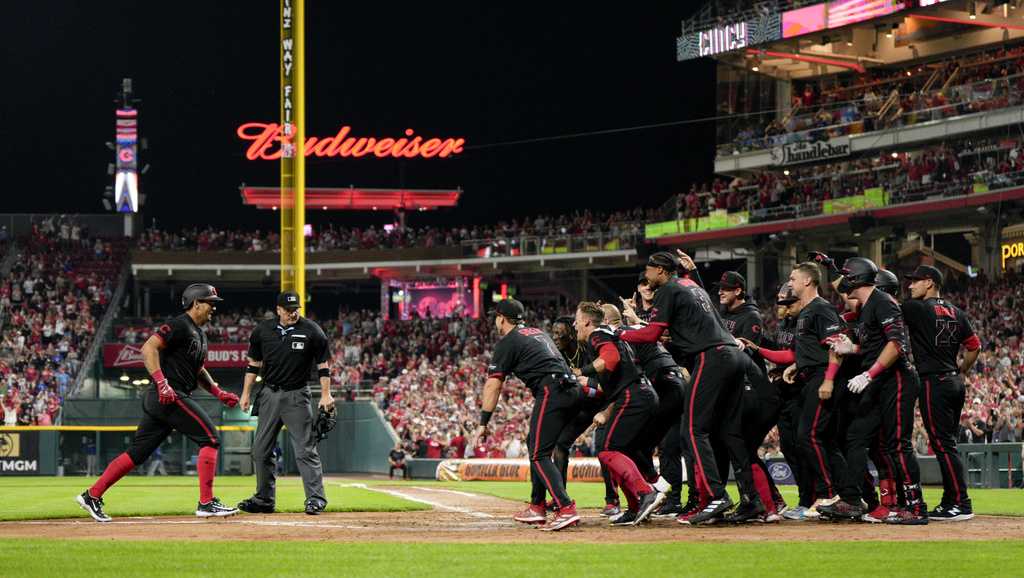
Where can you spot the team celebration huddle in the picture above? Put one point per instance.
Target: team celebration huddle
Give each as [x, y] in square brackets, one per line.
[670, 373]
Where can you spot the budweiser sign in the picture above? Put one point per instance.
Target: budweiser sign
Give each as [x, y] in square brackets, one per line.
[218, 355]
[269, 139]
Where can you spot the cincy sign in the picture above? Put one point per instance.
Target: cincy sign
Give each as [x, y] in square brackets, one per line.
[269, 141]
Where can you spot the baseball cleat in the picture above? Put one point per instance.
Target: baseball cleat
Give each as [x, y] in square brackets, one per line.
[813, 513]
[566, 517]
[876, 515]
[748, 510]
[669, 509]
[611, 510]
[627, 518]
[780, 505]
[534, 514]
[92, 505]
[770, 518]
[214, 509]
[957, 513]
[715, 509]
[692, 508]
[903, 517]
[255, 505]
[551, 506]
[842, 510]
[649, 502]
[797, 514]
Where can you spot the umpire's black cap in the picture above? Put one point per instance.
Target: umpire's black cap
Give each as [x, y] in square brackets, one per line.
[732, 280]
[926, 272]
[665, 260]
[289, 300]
[511, 309]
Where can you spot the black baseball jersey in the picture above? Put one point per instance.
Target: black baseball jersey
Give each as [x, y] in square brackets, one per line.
[289, 354]
[579, 358]
[653, 357]
[184, 352]
[529, 354]
[784, 335]
[937, 330]
[745, 321]
[692, 319]
[881, 321]
[817, 322]
[628, 370]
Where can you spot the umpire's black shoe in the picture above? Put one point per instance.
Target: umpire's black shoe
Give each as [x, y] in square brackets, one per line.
[627, 518]
[92, 505]
[842, 510]
[214, 509]
[255, 505]
[315, 507]
[748, 510]
[715, 509]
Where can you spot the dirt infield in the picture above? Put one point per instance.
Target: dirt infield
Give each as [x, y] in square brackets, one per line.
[465, 517]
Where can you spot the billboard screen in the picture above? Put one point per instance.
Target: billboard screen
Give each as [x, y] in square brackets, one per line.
[845, 12]
[803, 21]
[126, 176]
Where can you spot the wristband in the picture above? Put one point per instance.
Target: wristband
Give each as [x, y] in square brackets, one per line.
[158, 376]
[831, 371]
[876, 370]
[252, 369]
[323, 372]
[485, 417]
[588, 370]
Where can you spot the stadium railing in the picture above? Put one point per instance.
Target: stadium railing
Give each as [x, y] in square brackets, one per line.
[629, 237]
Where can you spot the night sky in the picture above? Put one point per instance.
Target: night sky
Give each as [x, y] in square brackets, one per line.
[485, 71]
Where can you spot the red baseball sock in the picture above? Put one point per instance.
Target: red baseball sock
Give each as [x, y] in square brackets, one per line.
[887, 489]
[630, 479]
[116, 470]
[207, 467]
[764, 489]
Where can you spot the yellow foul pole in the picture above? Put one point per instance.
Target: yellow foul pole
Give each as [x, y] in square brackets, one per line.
[299, 216]
[293, 161]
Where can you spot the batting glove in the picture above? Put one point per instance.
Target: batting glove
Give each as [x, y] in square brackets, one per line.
[842, 345]
[859, 383]
[165, 393]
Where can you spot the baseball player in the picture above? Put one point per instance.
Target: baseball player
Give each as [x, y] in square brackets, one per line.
[285, 351]
[633, 403]
[938, 329]
[576, 355]
[761, 401]
[714, 404]
[887, 369]
[531, 355]
[174, 358]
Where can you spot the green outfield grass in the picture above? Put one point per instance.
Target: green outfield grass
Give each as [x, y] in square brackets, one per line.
[590, 495]
[226, 559]
[27, 498]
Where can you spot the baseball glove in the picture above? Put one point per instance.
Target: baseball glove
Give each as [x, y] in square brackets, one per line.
[324, 423]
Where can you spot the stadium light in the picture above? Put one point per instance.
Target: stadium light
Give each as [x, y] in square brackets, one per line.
[124, 377]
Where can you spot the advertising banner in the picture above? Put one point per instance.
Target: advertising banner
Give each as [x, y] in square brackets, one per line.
[19, 453]
[218, 355]
[806, 152]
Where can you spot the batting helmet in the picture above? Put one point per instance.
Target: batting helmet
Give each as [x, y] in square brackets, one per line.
[859, 272]
[888, 282]
[198, 292]
[786, 297]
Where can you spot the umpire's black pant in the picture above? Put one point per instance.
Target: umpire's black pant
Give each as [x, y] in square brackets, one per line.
[714, 407]
[941, 404]
[159, 420]
[554, 406]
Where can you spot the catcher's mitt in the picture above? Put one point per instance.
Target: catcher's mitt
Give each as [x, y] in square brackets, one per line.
[324, 423]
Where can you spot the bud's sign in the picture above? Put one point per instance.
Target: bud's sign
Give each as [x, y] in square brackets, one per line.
[218, 355]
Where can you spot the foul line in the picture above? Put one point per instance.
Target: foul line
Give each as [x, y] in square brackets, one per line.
[404, 496]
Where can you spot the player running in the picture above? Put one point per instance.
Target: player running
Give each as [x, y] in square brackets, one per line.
[174, 357]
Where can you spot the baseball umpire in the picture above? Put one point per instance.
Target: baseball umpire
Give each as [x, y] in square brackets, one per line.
[174, 357]
[283, 351]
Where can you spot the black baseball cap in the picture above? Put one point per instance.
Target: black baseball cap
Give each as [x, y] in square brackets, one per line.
[289, 300]
[510, 309]
[642, 280]
[732, 280]
[926, 272]
[665, 260]
[786, 296]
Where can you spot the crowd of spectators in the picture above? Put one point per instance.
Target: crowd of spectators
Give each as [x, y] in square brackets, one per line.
[891, 97]
[50, 303]
[623, 226]
[224, 327]
[951, 168]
